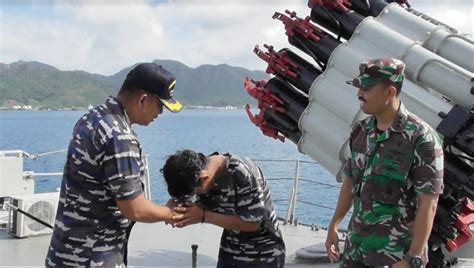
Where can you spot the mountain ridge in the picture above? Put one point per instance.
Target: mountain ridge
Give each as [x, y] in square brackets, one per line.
[44, 86]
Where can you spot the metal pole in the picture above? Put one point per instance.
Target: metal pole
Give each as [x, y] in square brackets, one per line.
[289, 209]
[147, 178]
[295, 187]
[290, 212]
[194, 255]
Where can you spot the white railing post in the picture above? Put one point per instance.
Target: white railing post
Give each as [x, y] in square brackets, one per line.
[147, 178]
[295, 186]
[291, 210]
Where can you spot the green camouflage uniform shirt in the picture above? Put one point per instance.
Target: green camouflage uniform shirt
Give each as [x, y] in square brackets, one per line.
[387, 169]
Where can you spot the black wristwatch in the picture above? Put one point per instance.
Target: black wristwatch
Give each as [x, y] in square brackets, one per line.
[414, 261]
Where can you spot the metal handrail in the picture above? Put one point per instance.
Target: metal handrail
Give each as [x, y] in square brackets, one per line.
[290, 217]
[283, 160]
[274, 160]
[32, 174]
[279, 178]
[321, 183]
[292, 200]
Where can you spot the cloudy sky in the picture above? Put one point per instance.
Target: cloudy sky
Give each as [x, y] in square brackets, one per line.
[104, 36]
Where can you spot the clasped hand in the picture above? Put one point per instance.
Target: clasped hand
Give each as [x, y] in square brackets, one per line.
[184, 214]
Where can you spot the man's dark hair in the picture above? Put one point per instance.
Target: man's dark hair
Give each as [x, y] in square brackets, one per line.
[397, 85]
[129, 88]
[181, 172]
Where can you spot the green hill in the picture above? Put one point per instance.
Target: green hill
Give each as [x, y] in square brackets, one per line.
[43, 86]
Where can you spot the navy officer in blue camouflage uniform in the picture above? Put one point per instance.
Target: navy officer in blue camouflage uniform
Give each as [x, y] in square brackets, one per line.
[102, 190]
[230, 192]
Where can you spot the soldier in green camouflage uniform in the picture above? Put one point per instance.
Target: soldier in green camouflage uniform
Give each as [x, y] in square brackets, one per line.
[231, 193]
[393, 177]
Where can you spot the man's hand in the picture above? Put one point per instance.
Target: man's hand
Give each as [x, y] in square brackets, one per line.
[171, 204]
[401, 264]
[143, 210]
[332, 245]
[191, 214]
[344, 203]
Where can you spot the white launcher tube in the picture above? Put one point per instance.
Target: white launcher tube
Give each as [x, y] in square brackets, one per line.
[453, 47]
[423, 66]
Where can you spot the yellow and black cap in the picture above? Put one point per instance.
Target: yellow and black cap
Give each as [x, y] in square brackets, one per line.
[155, 79]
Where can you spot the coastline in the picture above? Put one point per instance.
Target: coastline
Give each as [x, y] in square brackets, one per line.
[191, 107]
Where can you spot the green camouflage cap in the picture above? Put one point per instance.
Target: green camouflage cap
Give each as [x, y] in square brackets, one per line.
[374, 71]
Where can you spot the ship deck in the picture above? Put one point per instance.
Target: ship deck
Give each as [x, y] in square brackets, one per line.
[159, 245]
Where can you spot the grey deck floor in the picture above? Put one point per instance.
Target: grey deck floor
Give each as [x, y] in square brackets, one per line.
[157, 245]
[172, 247]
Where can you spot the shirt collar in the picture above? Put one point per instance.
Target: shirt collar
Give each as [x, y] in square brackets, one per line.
[401, 119]
[398, 124]
[116, 106]
[221, 176]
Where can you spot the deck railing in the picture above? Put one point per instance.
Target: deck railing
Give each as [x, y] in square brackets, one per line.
[32, 175]
[293, 199]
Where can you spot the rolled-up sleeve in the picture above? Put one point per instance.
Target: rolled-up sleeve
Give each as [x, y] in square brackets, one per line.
[123, 167]
[428, 165]
[347, 168]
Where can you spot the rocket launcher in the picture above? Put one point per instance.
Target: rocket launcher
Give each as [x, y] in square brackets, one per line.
[439, 88]
[293, 101]
[374, 8]
[424, 68]
[397, 33]
[341, 23]
[464, 220]
[342, 5]
[308, 37]
[289, 66]
[431, 34]
[275, 118]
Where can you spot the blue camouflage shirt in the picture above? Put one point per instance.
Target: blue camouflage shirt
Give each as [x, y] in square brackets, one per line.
[242, 189]
[104, 164]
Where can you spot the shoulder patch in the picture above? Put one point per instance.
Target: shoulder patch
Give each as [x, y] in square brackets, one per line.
[427, 151]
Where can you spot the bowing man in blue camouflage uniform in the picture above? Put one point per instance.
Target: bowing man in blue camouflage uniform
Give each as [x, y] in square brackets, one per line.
[231, 193]
[102, 190]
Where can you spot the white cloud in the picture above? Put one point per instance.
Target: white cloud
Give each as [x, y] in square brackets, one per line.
[455, 13]
[101, 37]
